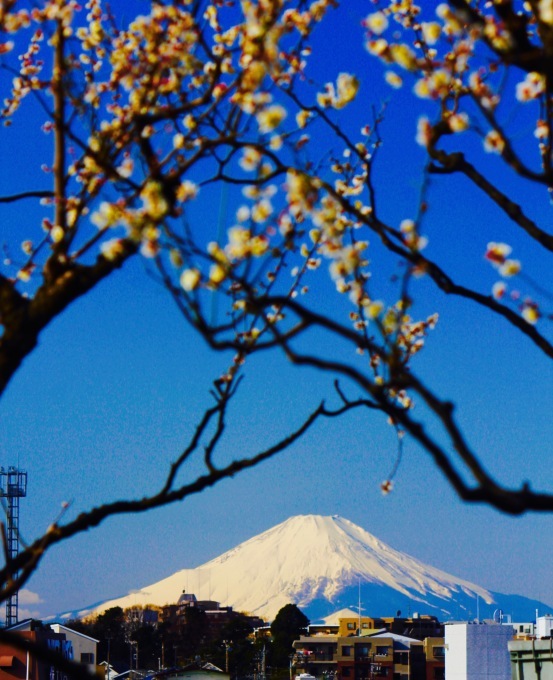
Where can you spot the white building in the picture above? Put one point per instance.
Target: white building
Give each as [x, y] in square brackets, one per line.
[544, 626]
[523, 629]
[477, 651]
[84, 646]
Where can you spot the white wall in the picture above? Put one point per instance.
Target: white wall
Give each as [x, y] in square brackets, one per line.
[81, 643]
[544, 624]
[477, 652]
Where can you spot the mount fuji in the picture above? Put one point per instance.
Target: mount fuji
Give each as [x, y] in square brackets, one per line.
[325, 564]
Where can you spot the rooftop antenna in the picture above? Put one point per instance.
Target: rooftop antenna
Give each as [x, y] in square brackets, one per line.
[13, 486]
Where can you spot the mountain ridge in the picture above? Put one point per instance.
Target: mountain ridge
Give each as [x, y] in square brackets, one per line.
[322, 564]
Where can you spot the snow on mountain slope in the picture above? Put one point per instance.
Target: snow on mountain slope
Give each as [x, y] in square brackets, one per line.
[307, 558]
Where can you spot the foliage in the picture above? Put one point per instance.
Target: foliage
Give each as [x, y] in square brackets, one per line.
[233, 641]
[173, 643]
[149, 639]
[146, 114]
[112, 632]
[289, 624]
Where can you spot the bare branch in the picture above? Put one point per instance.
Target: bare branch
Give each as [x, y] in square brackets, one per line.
[26, 194]
[28, 559]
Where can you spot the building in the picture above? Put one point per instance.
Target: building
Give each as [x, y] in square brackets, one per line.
[416, 626]
[85, 648]
[17, 663]
[142, 616]
[108, 671]
[531, 659]
[477, 651]
[377, 654]
[544, 626]
[174, 615]
[434, 653]
[524, 631]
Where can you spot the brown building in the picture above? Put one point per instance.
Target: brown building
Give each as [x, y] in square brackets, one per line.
[375, 653]
[434, 651]
[418, 627]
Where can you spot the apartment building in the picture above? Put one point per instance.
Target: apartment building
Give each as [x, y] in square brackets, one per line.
[375, 655]
[417, 626]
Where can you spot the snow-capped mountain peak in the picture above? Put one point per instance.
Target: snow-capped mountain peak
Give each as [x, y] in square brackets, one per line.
[317, 562]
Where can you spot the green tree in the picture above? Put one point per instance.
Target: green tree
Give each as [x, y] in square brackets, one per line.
[149, 641]
[289, 624]
[194, 634]
[110, 629]
[233, 641]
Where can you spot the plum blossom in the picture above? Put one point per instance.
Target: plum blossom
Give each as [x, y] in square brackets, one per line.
[531, 87]
[458, 122]
[499, 289]
[494, 142]
[393, 79]
[190, 279]
[542, 129]
[545, 11]
[530, 312]
[497, 253]
[424, 131]
[270, 117]
[376, 23]
[386, 487]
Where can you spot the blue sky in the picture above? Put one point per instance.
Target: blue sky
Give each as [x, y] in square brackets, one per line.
[118, 382]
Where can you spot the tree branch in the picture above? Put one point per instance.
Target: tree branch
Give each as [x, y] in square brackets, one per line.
[28, 559]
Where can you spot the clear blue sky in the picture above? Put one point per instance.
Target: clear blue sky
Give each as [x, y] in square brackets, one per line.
[113, 391]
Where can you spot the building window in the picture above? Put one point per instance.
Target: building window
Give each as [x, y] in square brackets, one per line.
[346, 650]
[86, 657]
[351, 626]
[438, 652]
[439, 674]
[381, 651]
[401, 658]
[365, 625]
[345, 672]
[362, 652]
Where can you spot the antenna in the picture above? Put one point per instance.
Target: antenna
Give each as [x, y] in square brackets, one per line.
[13, 486]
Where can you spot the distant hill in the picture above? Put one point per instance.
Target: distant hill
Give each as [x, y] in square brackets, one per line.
[324, 564]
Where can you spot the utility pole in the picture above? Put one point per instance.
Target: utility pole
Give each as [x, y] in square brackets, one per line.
[227, 649]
